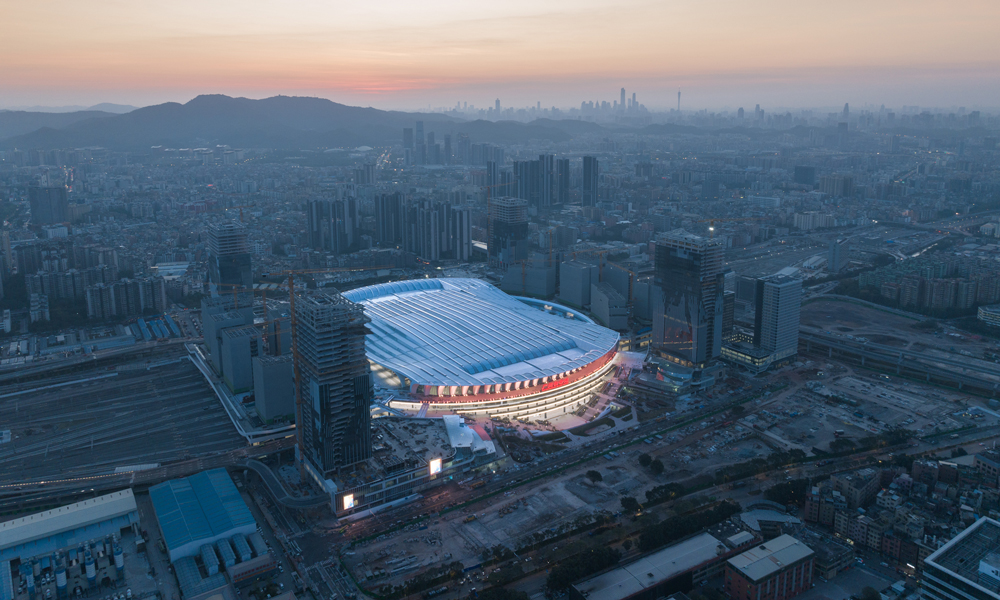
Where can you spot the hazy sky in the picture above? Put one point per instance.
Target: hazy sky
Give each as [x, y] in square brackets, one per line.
[410, 54]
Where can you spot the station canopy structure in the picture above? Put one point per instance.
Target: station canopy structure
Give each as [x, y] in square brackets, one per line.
[465, 333]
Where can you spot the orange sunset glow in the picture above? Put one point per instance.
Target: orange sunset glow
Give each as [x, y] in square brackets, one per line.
[396, 54]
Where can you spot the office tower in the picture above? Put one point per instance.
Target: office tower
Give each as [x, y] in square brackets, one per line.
[447, 149]
[389, 219]
[966, 567]
[408, 138]
[498, 105]
[622, 103]
[332, 225]
[334, 382]
[229, 255]
[739, 114]
[839, 256]
[420, 132]
[805, 175]
[847, 110]
[48, 205]
[635, 105]
[430, 139]
[507, 240]
[776, 324]
[591, 174]
[546, 180]
[678, 101]
[688, 312]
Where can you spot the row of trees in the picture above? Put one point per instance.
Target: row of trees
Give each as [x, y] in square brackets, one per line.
[756, 466]
[576, 567]
[680, 526]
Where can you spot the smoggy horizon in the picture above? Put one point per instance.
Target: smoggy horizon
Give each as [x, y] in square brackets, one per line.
[397, 55]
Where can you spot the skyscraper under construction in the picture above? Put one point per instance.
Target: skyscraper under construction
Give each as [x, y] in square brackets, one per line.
[334, 382]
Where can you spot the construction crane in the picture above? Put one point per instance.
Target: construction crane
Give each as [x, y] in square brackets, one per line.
[711, 223]
[236, 289]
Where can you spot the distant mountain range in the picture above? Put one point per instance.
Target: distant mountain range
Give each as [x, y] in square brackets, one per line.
[281, 122]
[103, 107]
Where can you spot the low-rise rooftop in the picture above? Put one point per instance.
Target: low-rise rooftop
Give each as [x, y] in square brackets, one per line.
[760, 562]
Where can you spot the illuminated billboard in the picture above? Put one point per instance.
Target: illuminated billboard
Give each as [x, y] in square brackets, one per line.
[435, 466]
[348, 501]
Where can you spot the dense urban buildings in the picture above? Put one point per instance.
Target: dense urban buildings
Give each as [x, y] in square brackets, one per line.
[564, 321]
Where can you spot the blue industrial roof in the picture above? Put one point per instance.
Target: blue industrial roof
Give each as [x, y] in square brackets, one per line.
[461, 332]
[200, 507]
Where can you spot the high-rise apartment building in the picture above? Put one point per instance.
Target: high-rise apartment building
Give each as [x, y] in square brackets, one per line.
[591, 176]
[688, 307]
[546, 180]
[334, 381]
[507, 240]
[389, 219]
[48, 205]
[332, 225]
[229, 255]
[562, 181]
[435, 231]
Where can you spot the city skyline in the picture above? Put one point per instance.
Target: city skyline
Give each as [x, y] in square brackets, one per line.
[401, 56]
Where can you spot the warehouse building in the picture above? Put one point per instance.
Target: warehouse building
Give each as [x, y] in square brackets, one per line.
[677, 568]
[199, 510]
[68, 526]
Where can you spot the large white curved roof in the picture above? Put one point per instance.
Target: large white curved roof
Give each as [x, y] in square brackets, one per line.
[467, 332]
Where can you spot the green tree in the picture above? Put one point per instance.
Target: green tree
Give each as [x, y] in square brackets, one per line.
[499, 593]
[630, 504]
[580, 565]
[870, 593]
[656, 466]
[789, 492]
[627, 544]
[595, 476]
[645, 460]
